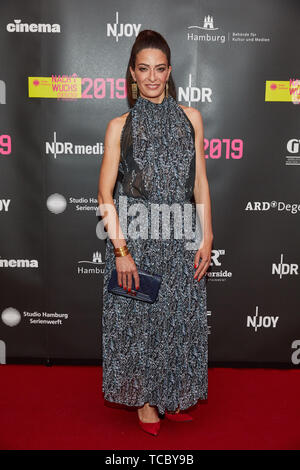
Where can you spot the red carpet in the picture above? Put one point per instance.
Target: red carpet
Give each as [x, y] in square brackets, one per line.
[61, 407]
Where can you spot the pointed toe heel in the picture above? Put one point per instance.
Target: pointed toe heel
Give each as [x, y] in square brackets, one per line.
[150, 428]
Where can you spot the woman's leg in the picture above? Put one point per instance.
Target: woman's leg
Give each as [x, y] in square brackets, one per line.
[148, 414]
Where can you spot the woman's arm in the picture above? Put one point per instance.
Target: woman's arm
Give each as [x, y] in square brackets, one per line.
[107, 181]
[125, 265]
[202, 196]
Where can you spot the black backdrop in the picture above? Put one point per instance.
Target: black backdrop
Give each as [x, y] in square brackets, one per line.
[224, 56]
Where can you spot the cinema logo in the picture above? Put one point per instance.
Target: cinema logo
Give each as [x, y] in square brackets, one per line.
[293, 148]
[285, 269]
[18, 27]
[96, 262]
[203, 33]
[261, 321]
[193, 94]
[119, 30]
[18, 263]
[56, 148]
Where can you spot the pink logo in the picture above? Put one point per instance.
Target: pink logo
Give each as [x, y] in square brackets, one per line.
[273, 86]
[36, 82]
[295, 90]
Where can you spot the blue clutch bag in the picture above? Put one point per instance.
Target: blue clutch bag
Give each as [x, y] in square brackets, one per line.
[147, 292]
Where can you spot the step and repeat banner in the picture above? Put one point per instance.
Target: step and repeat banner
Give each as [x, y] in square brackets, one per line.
[62, 79]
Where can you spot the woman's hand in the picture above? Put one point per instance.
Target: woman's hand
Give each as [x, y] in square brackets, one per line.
[126, 268]
[205, 254]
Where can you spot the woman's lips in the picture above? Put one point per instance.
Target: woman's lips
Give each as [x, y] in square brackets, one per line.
[153, 87]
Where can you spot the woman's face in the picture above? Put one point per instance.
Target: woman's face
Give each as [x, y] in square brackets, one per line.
[151, 73]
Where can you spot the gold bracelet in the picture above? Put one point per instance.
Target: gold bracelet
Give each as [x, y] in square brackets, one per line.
[122, 251]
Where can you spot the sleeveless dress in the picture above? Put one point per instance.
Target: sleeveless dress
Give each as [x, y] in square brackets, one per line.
[156, 353]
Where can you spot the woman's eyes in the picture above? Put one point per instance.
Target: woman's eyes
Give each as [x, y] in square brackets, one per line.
[161, 69]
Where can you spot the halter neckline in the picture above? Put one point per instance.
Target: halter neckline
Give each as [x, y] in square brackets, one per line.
[151, 103]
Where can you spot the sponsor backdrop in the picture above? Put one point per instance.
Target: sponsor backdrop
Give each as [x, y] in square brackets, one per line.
[62, 78]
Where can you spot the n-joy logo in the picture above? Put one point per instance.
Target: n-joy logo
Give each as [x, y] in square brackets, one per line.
[265, 321]
[192, 94]
[284, 268]
[119, 30]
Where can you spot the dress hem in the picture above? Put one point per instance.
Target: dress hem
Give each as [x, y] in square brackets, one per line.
[201, 398]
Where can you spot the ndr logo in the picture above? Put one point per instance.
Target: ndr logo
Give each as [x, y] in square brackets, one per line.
[284, 268]
[119, 30]
[192, 94]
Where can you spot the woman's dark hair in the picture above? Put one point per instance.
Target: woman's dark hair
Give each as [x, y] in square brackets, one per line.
[144, 40]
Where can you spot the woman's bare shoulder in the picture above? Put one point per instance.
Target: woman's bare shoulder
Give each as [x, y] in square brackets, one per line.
[194, 115]
[116, 124]
[191, 112]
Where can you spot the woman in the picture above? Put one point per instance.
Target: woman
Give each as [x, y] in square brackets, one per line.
[155, 355]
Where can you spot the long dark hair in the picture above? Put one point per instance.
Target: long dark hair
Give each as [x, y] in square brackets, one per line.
[144, 40]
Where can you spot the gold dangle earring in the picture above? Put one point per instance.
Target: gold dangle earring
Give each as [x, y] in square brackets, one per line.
[167, 90]
[134, 90]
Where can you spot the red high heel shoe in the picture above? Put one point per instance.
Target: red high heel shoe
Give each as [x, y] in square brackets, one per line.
[179, 417]
[150, 428]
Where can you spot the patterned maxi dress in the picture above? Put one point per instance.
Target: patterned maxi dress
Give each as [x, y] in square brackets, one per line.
[156, 353]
